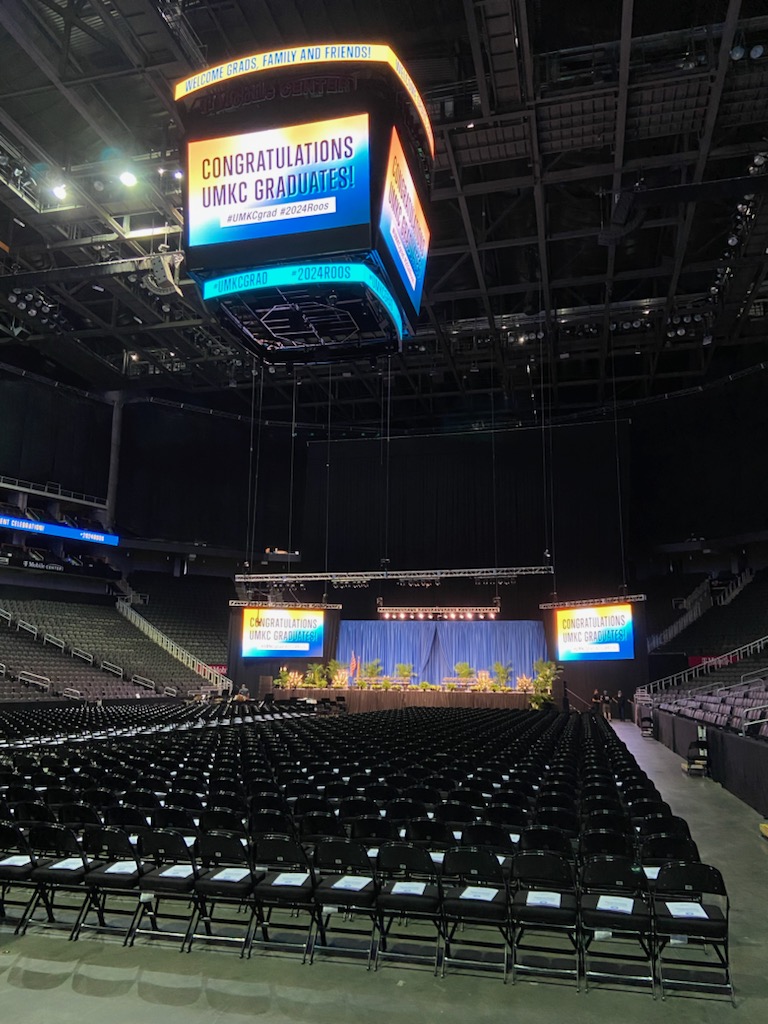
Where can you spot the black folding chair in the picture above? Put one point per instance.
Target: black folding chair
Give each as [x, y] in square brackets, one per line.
[409, 896]
[475, 911]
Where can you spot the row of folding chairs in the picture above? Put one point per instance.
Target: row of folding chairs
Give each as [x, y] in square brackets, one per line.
[528, 912]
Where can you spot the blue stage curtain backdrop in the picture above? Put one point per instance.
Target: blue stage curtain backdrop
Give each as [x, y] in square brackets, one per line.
[435, 647]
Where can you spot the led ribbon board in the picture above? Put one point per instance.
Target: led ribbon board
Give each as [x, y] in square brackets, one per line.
[303, 275]
[402, 224]
[274, 60]
[282, 632]
[282, 181]
[54, 530]
[602, 633]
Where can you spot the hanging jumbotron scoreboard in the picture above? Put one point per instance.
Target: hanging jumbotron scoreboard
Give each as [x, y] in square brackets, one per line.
[307, 170]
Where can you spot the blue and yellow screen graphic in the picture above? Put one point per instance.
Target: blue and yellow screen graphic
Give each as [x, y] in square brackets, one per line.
[282, 633]
[282, 181]
[601, 633]
[403, 225]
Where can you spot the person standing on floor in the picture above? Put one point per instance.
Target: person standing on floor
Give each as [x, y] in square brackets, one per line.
[605, 700]
[596, 702]
[621, 704]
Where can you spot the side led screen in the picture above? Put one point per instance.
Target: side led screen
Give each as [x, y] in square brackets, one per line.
[55, 530]
[602, 633]
[403, 225]
[280, 182]
[282, 633]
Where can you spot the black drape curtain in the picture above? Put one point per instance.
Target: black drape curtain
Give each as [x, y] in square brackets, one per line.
[441, 503]
[54, 435]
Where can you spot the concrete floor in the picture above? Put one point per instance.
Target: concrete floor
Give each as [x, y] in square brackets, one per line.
[44, 978]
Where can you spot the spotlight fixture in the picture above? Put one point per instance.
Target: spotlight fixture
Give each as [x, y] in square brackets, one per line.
[757, 51]
[60, 191]
[738, 51]
[128, 178]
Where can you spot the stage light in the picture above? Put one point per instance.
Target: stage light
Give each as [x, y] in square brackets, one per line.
[733, 240]
[738, 51]
[128, 178]
[60, 191]
[757, 51]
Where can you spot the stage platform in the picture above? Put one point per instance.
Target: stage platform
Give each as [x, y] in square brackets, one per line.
[388, 700]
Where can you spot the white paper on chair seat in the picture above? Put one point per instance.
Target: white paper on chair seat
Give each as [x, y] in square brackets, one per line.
[619, 904]
[189, 841]
[176, 871]
[352, 882]
[409, 888]
[479, 892]
[373, 852]
[291, 878]
[17, 860]
[686, 909]
[437, 856]
[515, 837]
[231, 874]
[121, 867]
[457, 835]
[652, 871]
[543, 899]
[68, 864]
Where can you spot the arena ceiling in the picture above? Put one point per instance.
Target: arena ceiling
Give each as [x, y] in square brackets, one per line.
[599, 226]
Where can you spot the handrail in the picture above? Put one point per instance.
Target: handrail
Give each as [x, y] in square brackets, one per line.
[756, 673]
[3, 670]
[678, 678]
[734, 588]
[70, 691]
[6, 616]
[218, 679]
[570, 694]
[78, 652]
[148, 684]
[56, 490]
[28, 626]
[49, 638]
[32, 677]
[696, 603]
[109, 666]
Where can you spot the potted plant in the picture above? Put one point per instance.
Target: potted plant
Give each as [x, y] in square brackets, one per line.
[370, 672]
[464, 672]
[525, 684]
[502, 672]
[546, 674]
[403, 673]
[316, 676]
[339, 674]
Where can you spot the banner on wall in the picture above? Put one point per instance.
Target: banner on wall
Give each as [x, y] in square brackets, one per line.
[277, 182]
[600, 633]
[282, 632]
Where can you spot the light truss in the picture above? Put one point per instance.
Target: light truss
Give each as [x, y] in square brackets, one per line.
[439, 611]
[428, 576]
[285, 604]
[620, 599]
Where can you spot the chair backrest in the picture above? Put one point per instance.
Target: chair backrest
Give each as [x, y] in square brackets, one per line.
[473, 866]
[404, 860]
[690, 879]
[533, 870]
[280, 852]
[55, 840]
[429, 831]
[165, 846]
[109, 843]
[606, 873]
[545, 838]
[668, 848]
[347, 855]
[223, 848]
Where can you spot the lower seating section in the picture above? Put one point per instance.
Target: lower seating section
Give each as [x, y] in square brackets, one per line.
[192, 610]
[523, 843]
[93, 625]
[742, 707]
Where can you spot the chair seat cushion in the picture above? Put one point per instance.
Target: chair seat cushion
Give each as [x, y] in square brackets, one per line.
[563, 916]
[228, 883]
[456, 907]
[329, 892]
[160, 880]
[405, 903]
[269, 890]
[597, 919]
[713, 926]
[115, 875]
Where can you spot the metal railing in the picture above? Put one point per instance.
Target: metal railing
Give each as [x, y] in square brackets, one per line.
[148, 684]
[697, 602]
[705, 667]
[41, 682]
[49, 638]
[116, 670]
[52, 489]
[735, 588]
[176, 650]
[28, 626]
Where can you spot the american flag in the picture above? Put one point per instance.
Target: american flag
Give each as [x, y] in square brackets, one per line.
[353, 664]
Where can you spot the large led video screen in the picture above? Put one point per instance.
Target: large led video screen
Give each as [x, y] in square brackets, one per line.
[282, 632]
[279, 183]
[403, 225]
[601, 633]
